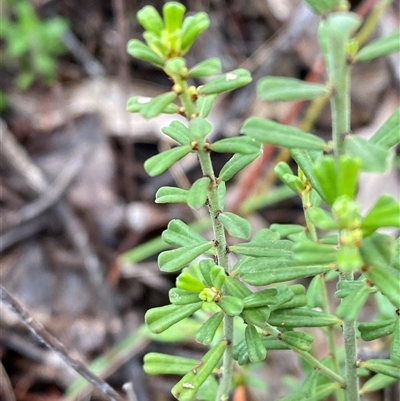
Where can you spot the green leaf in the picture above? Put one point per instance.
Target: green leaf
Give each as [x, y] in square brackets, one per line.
[226, 82]
[378, 250]
[199, 128]
[271, 132]
[155, 43]
[157, 105]
[299, 340]
[323, 6]
[288, 89]
[283, 274]
[325, 173]
[174, 260]
[236, 288]
[178, 132]
[136, 103]
[150, 20]
[208, 67]
[235, 164]
[347, 176]
[235, 225]
[286, 229]
[204, 105]
[374, 157]
[178, 296]
[321, 218]
[259, 248]
[376, 329]
[240, 144]
[197, 194]
[192, 27]
[173, 15]
[261, 298]
[205, 266]
[309, 252]
[161, 318]
[380, 47]
[351, 305]
[188, 281]
[217, 276]
[346, 287]
[301, 317]
[377, 382]
[284, 173]
[157, 164]
[384, 366]
[306, 162]
[171, 195]
[179, 233]
[162, 364]
[139, 50]
[231, 305]
[388, 135]
[255, 347]
[175, 66]
[387, 282]
[395, 347]
[207, 331]
[187, 387]
[384, 213]
[315, 292]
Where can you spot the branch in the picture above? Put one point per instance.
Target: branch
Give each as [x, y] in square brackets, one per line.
[54, 344]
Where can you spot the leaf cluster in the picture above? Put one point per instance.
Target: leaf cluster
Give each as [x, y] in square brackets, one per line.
[32, 42]
[338, 240]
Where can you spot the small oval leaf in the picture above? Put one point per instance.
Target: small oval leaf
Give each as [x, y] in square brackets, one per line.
[380, 47]
[226, 82]
[289, 89]
[161, 318]
[271, 132]
[174, 260]
[157, 164]
[207, 331]
[197, 194]
[235, 225]
[235, 164]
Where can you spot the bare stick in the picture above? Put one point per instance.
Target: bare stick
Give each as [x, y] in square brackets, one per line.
[19, 160]
[50, 341]
[54, 192]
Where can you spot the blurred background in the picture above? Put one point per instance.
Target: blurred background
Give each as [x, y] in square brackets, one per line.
[80, 231]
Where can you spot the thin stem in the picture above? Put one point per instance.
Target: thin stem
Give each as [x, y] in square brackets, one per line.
[220, 241]
[55, 345]
[222, 255]
[307, 356]
[339, 395]
[340, 105]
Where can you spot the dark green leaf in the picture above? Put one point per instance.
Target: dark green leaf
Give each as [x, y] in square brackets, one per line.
[388, 135]
[271, 132]
[374, 157]
[235, 164]
[157, 105]
[197, 194]
[288, 89]
[240, 144]
[235, 225]
[207, 67]
[161, 318]
[226, 82]
[380, 47]
[162, 364]
[171, 261]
